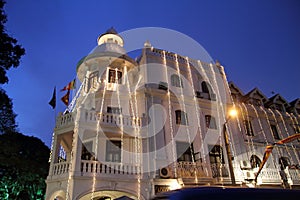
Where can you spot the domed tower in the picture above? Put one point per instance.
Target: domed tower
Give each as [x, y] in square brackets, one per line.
[96, 134]
[108, 54]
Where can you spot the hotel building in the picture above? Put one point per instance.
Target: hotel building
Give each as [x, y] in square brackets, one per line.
[138, 127]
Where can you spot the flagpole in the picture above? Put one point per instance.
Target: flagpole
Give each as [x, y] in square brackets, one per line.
[55, 110]
[54, 116]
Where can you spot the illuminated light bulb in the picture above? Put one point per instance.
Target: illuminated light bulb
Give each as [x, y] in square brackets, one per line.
[233, 113]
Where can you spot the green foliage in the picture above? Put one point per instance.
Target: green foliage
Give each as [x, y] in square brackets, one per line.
[23, 167]
[11, 51]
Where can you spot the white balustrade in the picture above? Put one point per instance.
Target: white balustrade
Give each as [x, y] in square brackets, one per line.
[269, 176]
[90, 167]
[105, 119]
[60, 168]
[64, 120]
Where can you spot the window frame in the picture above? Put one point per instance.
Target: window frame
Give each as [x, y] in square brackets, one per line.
[176, 81]
[114, 76]
[248, 128]
[181, 117]
[188, 154]
[274, 131]
[210, 122]
[113, 151]
[114, 110]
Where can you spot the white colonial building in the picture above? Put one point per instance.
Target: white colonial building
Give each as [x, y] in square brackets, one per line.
[137, 127]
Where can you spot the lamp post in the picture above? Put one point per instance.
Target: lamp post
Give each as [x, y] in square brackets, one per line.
[232, 113]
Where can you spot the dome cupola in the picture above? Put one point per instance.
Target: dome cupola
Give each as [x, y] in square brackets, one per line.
[110, 36]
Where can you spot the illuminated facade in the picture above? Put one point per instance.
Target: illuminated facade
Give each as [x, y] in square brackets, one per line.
[139, 127]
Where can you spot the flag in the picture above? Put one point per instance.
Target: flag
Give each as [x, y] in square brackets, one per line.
[70, 86]
[289, 139]
[269, 149]
[267, 153]
[65, 98]
[52, 102]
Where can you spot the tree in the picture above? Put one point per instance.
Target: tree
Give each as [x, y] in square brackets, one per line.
[7, 116]
[23, 167]
[11, 52]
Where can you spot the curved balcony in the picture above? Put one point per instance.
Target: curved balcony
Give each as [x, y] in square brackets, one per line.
[109, 119]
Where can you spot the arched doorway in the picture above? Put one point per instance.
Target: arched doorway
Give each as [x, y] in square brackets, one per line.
[255, 161]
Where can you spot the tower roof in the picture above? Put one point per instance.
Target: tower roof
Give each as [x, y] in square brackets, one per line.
[111, 35]
[111, 30]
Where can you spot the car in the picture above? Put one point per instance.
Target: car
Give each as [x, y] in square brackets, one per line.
[224, 193]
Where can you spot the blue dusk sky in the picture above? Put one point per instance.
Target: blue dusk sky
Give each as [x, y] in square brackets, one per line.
[257, 41]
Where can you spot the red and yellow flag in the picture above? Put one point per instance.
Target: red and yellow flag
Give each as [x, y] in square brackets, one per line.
[70, 86]
[65, 98]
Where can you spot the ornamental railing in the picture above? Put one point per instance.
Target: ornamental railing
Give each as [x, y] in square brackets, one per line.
[104, 118]
[191, 170]
[90, 167]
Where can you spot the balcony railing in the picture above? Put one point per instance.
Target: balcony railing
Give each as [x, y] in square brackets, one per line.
[64, 120]
[219, 170]
[89, 167]
[60, 168]
[270, 176]
[118, 120]
[293, 176]
[104, 118]
[191, 170]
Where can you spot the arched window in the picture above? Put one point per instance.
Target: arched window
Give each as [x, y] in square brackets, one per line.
[210, 122]
[206, 88]
[181, 117]
[255, 161]
[176, 81]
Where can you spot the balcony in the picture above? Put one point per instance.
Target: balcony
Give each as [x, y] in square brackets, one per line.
[192, 170]
[92, 168]
[59, 171]
[64, 120]
[118, 120]
[109, 119]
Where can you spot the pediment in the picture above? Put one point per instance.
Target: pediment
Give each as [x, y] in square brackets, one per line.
[256, 94]
[235, 89]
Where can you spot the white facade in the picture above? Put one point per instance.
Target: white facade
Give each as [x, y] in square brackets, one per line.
[147, 126]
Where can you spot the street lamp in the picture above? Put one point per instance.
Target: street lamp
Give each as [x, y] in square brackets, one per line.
[232, 113]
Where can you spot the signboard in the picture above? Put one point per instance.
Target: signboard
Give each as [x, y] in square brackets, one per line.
[161, 188]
